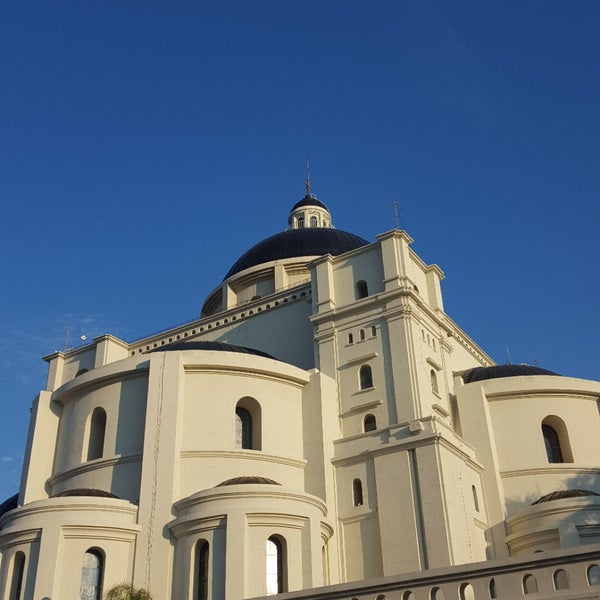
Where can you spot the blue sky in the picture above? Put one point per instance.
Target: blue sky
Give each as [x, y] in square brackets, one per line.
[145, 146]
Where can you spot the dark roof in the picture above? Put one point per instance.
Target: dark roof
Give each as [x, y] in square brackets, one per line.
[560, 494]
[309, 201]
[218, 346]
[9, 504]
[248, 479]
[85, 492]
[499, 371]
[310, 241]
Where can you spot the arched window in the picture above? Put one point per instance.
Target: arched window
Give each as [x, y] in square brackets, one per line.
[560, 578]
[492, 589]
[91, 575]
[362, 335]
[276, 565]
[350, 338]
[362, 289]
[357, 492]
[475, 499]
[366, 377]
[301, 222]
[201, 571]
[314, 222]
[243, 428]
[436, 594]
[408, 595]
[16, 582]
[373, 331]
[434, 382]
[552, 443]
[530, 584]
[593, 575]
[248, 424]
[97, 432]
[370, 423]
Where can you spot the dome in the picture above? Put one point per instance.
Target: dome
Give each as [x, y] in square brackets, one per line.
[499, 371]
[85, 492]
[9, 504]
[248, 479]
[307, 242]
[205, 345]
[309, 200]
[560, 494]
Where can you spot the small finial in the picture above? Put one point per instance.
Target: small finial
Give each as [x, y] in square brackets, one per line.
[396, 213]
[307, 180]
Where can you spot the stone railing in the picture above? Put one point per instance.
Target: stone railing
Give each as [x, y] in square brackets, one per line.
[563, 574]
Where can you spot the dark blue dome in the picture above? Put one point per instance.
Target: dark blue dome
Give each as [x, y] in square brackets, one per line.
[499, 371]
[310, 241]
[309, 201]
[208, 345]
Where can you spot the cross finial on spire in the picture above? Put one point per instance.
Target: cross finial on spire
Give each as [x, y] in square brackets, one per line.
[307, 180]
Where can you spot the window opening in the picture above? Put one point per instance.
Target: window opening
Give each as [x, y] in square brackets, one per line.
[370, 423]
[362, 335]
[552, 443]
[91, 576]
[373, 331]
[16, 586]
[434, 381]
[357, 492]
[275, 571]
[475, 499]
[243, 428]
[366, 377]
[362, 290]
[314, 222]
[492, 589]
[97, 433]
[300, 222]
[201, 591]
[530, 585]
[560, 579]
[350, 338]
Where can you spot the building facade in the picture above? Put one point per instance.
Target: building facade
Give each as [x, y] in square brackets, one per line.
[323, 424]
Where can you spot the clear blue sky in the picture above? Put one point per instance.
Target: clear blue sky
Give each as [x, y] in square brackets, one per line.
[145, 145]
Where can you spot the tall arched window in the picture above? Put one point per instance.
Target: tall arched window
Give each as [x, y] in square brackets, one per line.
[357, 492]
[434, 382]
[370, 423]
[276, 565]
[243, 428]
[314, 222]
[16, 582]
[361, 334]
[91, 575]
[301, 222]
[492, 589]
[466, 592]
[366, 377]
[552, 443]
[201, 571]
[248, 424]
[97, 433]
[350, 338]
[362, 289]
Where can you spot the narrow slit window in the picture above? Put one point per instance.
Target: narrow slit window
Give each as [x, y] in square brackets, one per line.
[357, 492]
[201, 582]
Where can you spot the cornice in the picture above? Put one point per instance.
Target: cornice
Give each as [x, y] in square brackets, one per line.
[92, 465]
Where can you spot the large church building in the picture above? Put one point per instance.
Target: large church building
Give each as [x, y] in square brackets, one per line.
[323, 430]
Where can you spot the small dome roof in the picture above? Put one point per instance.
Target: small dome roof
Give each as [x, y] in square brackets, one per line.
[205, 345]
[499, 371]
[296, 243]
[309, 200]
[248, 479]
[560, 494]
[85, 492]
[9, 504]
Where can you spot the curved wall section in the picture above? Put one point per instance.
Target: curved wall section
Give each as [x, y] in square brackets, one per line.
[242, 518]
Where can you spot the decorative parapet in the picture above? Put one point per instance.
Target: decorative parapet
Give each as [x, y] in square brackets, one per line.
[566, 574]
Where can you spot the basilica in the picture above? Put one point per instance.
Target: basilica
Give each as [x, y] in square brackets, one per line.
[323, 430]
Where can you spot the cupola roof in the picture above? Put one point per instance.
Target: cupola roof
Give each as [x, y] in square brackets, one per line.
[499, 371]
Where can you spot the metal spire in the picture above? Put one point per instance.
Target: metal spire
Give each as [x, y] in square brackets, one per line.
[307, 180]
